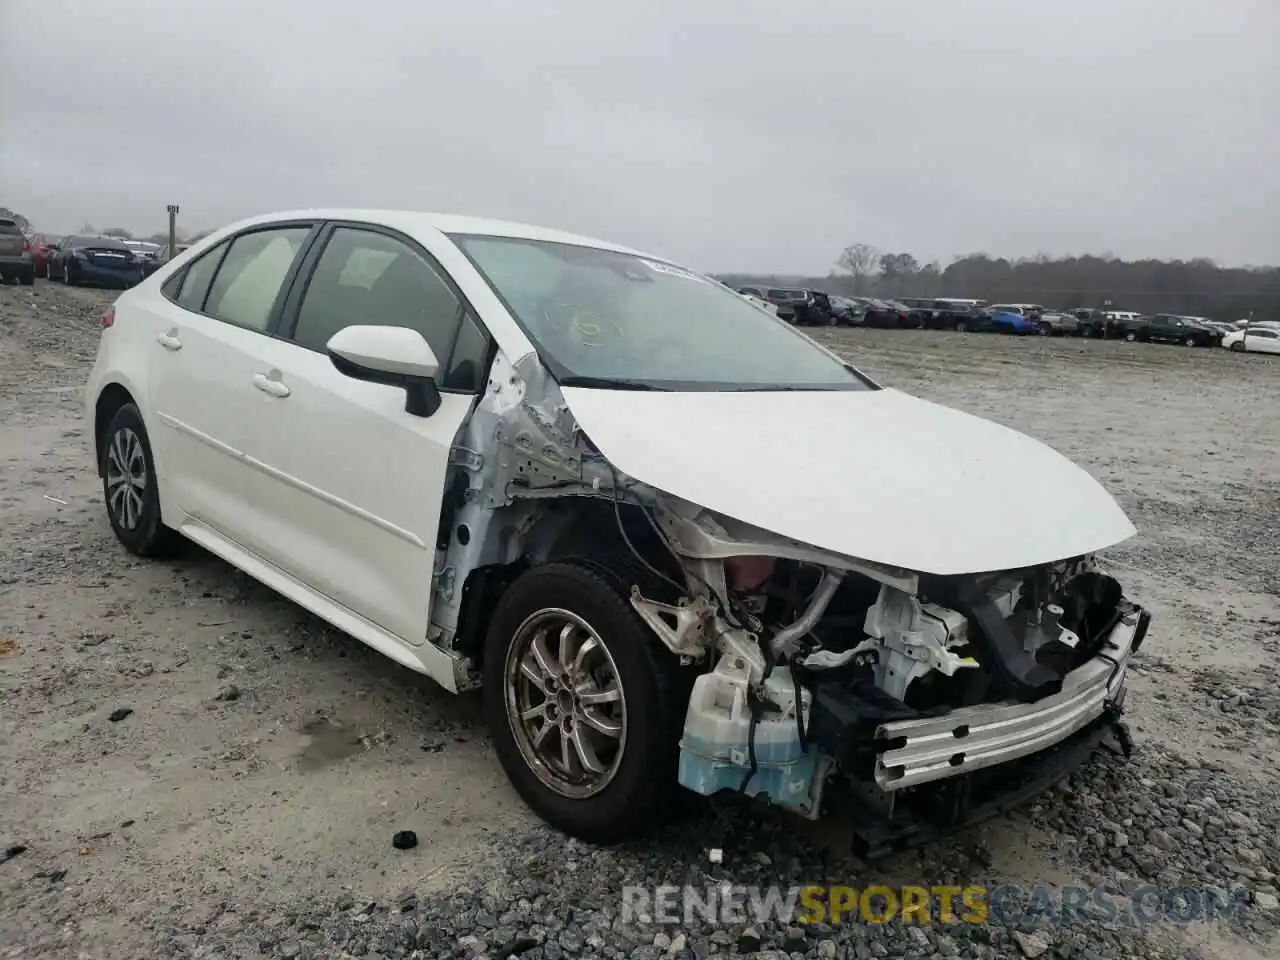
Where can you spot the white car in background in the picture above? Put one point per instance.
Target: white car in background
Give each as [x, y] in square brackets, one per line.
[675, 540]
[1253, 339]
[142, 249]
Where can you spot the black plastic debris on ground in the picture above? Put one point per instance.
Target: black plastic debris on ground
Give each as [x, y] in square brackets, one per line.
[118, 714]
[405, 840]
[12, 851]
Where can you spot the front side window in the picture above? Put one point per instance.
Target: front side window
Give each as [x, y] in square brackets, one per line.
[247, 283]
[598, 317]
[368, 277]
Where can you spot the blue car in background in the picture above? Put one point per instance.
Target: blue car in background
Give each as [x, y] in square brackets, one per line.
[1015, 318]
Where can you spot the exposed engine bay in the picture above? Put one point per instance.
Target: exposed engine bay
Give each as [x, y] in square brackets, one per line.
[813, 668]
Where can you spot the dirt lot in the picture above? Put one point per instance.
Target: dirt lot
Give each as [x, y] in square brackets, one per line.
[245, 805]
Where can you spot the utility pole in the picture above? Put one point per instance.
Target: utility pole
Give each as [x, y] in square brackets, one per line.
[173, 230]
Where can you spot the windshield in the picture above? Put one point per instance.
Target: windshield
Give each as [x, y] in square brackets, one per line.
[600, 318]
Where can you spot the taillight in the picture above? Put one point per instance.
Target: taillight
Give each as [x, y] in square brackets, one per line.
[108, 316]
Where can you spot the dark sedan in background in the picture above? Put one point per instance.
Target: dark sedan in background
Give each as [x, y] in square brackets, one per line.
[100, 261]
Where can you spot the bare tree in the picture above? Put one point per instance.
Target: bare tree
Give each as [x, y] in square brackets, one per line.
[860, 261]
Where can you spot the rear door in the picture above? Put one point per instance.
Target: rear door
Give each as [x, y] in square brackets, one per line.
[214, 314]
[350, 485]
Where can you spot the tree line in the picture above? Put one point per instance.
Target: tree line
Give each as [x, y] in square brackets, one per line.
[1196, 287]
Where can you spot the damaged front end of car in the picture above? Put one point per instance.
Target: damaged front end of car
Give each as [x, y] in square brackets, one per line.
[911, 704]
[906, 703]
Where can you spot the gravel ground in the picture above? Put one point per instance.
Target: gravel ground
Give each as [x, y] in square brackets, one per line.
[243, 799]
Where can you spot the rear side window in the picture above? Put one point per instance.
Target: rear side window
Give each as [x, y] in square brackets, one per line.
[247, 283]
[9, 226]
[194, 285]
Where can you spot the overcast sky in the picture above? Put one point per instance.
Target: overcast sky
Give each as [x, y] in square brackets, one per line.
[727, 134]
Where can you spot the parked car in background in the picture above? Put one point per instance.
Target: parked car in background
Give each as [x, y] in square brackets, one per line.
[788, 300]
[15, 253]
[848, 311]
[143, 250]
[100, 261]
[161, 258]
[1054, 323]
[906, 318]
[1171, 328]
[886, 315]
[41, 249]
[1118, 321]
[1009, 318]
[1253, 339]
[1222, 328]
[1091, 322]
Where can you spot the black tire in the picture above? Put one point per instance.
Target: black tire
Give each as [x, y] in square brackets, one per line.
[1189, 342]
[146, 535]
[654, 688]
[962, 327]
[66, 275]
[28, 278]
[1131, 337]
[1238, 347]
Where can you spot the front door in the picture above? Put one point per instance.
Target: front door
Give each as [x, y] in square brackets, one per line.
[355, 484]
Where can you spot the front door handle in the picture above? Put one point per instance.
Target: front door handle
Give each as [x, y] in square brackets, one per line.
[271, 384]
[170, 340]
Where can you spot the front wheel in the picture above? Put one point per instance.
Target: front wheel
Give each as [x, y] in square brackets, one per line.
[1238, 347]
[584, 704]
[962, 327]
[67, 278]
[1131, 337]
[1189, 342]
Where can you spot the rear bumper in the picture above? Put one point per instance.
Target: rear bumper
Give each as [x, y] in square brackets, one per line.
[90, 272]
[973, 738]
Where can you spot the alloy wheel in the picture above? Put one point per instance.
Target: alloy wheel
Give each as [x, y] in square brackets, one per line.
[126, 479]
[565, 704]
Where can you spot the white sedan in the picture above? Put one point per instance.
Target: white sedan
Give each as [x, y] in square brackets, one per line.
[676, 541]
[1253, 340]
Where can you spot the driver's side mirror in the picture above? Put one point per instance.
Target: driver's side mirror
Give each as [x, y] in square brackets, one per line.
[394, 356]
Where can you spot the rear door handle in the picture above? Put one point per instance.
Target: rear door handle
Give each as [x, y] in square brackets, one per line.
[271, 384]
[169, 340]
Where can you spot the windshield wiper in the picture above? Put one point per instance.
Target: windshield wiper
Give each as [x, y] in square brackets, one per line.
[607, 383]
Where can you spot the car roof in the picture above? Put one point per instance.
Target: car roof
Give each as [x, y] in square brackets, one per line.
[444, 222]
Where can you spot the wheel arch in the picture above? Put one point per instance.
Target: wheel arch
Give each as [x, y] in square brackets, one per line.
[111, 398]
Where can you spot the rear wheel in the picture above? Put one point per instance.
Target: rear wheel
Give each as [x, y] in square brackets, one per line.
[28, 278]
[129, 486]
[962, 326]
[584, 704]
[1189, 342]
[1131, 337]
